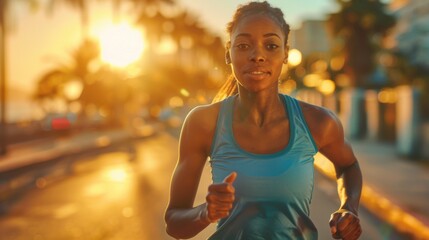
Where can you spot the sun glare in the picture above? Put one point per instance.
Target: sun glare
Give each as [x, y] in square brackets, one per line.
[120, 44]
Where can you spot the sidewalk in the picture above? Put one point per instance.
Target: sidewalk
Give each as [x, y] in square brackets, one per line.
[395, 189]
[38, 151]
[26, 164]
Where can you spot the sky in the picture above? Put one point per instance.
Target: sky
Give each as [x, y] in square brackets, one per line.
[217, 13]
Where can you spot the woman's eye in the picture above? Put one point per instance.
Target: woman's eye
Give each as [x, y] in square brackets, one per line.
[242, 46]
[272, 46]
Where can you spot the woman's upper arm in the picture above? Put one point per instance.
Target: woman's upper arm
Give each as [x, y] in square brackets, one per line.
[328, 133]
[335, 147]
[193, 152]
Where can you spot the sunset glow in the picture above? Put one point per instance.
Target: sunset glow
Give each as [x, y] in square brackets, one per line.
[120, 44]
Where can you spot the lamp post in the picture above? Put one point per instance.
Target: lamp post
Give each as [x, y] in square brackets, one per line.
[2, 78]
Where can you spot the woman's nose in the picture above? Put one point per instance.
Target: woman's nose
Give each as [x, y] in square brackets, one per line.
[257, 55]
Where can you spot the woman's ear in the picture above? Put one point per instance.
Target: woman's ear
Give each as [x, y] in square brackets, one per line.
[285, 60]
[227, 57]
[227, 53]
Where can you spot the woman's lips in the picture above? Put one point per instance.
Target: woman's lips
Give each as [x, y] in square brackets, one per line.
[258, 73]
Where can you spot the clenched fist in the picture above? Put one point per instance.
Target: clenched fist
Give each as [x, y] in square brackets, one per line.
[345, 225]
[220, 199]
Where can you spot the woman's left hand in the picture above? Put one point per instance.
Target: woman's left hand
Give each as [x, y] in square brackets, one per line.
[345, 225]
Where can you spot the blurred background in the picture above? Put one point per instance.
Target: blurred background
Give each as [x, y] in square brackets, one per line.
[93, 94]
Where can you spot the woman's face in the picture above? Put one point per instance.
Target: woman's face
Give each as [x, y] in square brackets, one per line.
[257, 52]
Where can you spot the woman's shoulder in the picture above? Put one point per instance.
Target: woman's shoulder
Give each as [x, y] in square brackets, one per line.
[199, 126]
[317, 112]
[204, 112]
[323, 123]
[203, 117]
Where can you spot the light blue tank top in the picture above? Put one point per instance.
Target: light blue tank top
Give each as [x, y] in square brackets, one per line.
[273, 191]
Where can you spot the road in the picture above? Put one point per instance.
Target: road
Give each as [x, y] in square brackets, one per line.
[121, 195]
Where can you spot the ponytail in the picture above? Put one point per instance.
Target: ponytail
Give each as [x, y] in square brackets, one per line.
[229, 88]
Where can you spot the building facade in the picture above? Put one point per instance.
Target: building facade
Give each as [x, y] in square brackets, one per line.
[411, 34]
[312, 37]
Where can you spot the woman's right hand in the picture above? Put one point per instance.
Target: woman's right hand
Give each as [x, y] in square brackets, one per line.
[220, 199]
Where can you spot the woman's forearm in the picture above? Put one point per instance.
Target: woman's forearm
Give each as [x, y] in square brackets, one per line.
[349, 182]
[186, 223]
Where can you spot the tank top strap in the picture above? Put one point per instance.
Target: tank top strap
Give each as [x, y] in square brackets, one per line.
[224, 120]
[300, 124]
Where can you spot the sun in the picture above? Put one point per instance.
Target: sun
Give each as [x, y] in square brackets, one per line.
[120, 44]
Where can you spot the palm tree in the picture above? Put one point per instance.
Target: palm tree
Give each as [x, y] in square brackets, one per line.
[199, 50]
[77, 68]
[51, 84]
[153, 26]
[360, 24]
[139, 4]
[185, 24]
[103, 88]
[81, 6]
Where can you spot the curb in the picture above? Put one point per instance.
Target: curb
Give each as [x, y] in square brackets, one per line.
[21, 162]
[379, 205]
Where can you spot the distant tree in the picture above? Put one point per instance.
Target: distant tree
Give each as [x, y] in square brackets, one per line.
[103, 89]
[51, 84]
[153, 27]
[359, 26]
[198, 49]
[81, 6]
[106, 88]
[140, 5]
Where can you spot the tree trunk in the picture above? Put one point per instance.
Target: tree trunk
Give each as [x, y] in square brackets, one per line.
[359, 57]
[2, 77]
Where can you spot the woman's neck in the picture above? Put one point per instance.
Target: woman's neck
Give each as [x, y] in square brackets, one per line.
[258, 108]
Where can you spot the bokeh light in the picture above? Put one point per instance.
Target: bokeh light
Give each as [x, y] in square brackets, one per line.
[319, 66]
[73, 89]
[117, 174]
[342, 80]
[176, 102]
[312, 80]
[295, 57]
[326, 87]
[288, 86]
[388, 95]
[337, 63]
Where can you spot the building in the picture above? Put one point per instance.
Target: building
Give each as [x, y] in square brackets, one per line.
[312, 37]
[411, 34]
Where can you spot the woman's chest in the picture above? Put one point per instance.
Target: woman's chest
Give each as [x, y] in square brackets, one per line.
[265, 140]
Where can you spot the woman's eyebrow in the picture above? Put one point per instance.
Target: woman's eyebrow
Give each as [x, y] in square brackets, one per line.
[243, 35]
[265, 35]
[272, 35]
